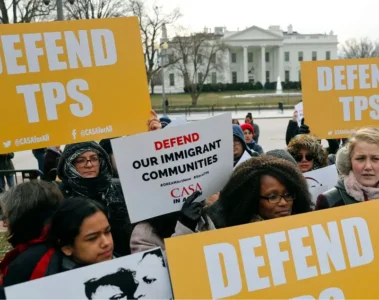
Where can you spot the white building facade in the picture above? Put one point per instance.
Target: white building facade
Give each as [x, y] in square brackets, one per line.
[256, 54]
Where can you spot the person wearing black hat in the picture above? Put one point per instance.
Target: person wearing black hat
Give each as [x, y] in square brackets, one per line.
[165, 121]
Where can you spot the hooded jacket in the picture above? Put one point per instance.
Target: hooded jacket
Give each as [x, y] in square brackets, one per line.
[102, 188]
[309, 142]
[237, 132]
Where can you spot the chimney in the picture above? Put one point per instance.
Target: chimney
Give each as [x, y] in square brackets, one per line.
[290, 29]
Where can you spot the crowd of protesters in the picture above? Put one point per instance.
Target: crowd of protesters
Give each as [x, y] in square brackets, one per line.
[77, 216]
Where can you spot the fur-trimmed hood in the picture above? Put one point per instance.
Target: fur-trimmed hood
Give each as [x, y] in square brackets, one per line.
[309, 142]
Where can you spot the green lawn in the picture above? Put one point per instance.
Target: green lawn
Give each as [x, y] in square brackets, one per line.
[216, 99]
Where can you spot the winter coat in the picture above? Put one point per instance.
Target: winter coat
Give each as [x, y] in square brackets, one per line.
[6, 161]
[292, 130]
[256, 132]
[35, 262]
[51, 162]
[145, 238]
[255, 147]
[237, 132]
[102, 189]
[334, 197]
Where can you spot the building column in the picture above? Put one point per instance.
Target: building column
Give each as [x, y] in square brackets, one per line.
[263, 65]
[228, 76]
[281, 63]
[245, 65]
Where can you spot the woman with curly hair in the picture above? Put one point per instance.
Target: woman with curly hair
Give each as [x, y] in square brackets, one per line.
[261, 188]
[308, 152]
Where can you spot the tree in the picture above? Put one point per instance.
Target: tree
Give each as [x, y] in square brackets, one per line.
[152, 22]
[198, 54]
[363, 48]
[95, 9]
[24, 11]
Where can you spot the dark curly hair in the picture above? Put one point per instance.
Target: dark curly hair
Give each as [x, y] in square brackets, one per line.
[239, 200]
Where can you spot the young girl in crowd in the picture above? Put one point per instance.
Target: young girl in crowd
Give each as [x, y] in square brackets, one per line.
[261, 188]
[358, 163]
[81, 233]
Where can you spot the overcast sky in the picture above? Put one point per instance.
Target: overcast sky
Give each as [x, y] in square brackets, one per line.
[346, 18]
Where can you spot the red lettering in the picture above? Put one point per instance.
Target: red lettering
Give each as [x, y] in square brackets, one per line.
[180, 140]
[195, 137]
[158, 145]
[186, 191]
[172, 193]
[166, 144]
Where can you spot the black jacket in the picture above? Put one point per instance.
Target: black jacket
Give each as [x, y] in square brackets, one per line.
[336, 196]
[292, 130]
[20, 270]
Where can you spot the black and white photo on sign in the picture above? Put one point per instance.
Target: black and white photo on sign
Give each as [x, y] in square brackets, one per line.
[142, 275]
[159, 170]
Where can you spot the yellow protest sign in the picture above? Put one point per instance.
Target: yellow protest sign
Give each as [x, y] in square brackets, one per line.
[318, 255]
[65, 82]
[340, 96]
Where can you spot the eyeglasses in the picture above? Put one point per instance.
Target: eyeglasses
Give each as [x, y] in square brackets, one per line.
[274, 199]
[82, 162]
[299, 157]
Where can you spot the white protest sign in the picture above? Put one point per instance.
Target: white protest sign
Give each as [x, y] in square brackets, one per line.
[245, 156]
[300, 111]
[158, 170]
[141, 275]
[321, 180]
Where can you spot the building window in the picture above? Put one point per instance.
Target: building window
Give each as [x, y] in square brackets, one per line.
[172, 79]
[199, 59]
[267, 56]
[314, 55]
[234, 77]
[286, 56]
[200, 77]
[214, 78]
[234, 58]
[301, 56]
[267, 76]
[327, 55]
[250, 57]
[287, 76]
[213, 58]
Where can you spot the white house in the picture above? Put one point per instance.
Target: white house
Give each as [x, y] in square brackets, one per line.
[257, 54]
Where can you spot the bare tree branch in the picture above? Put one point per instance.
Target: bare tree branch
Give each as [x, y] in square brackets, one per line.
[95, 9]
[363, 48]
[24, 11]
[151, 21]
[198, 53]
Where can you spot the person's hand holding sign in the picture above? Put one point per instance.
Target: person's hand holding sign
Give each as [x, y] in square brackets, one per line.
[153, 123]
[191, 211]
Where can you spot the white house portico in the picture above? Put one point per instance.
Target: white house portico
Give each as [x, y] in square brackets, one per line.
[257, 54]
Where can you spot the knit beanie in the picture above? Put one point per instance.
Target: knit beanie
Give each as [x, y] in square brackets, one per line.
[283, 154]
[248, 127]
[165, 121]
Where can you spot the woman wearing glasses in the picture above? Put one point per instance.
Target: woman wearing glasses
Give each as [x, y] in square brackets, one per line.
[261, 188]
[85, 170]
[308, 153]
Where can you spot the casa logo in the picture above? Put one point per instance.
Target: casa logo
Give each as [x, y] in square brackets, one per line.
[185, 191]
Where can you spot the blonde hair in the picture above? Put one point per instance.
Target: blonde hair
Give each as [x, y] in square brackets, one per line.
[366, 134]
